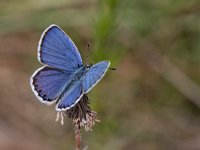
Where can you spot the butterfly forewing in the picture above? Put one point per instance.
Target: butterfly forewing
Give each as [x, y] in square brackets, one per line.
[57, 50]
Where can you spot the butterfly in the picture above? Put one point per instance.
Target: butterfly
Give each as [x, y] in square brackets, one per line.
[63, 79]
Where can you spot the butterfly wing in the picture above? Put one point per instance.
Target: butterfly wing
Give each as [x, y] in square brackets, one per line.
[94, 75]
[47, 83]
[70, 96]
[57, 50]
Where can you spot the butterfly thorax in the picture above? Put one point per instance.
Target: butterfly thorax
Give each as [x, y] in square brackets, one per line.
[79, 73]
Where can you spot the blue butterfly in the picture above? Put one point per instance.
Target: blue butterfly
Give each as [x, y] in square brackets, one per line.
[63, 78]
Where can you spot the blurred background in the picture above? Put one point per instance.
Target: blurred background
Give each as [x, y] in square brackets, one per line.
[151, 103]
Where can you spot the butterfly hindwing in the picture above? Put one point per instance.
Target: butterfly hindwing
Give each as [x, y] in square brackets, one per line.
[94, 75]
[70, 96]
[47, 83]
[57, 50]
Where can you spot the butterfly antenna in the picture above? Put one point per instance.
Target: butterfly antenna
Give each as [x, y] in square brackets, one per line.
[88, 50]
[114, 69]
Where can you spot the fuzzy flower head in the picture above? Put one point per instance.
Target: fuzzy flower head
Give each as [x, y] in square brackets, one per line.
[81, 115]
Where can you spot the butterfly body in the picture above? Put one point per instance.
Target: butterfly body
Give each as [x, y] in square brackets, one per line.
[64, 79]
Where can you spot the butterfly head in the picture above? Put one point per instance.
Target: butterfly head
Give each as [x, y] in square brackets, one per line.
[88, 66]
